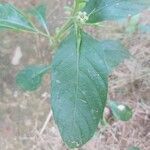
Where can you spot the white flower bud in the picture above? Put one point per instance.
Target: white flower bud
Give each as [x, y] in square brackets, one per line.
[121, 107]
[82, 17]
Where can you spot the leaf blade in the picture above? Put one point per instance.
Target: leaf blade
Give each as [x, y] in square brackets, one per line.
[12, 18]
[77, 111]
[102, 10]
[113, 53]
[30, 78]
[72, 130]
[40, 13]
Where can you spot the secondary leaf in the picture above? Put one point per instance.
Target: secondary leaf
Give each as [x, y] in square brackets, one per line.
[81, 4]
[112, 52]
[30, 78]
[119, 111]
[114, 9]
[79, 85]
[133, 148]
[40, 13]
[133, 23]
[144, 28]
[12, 18]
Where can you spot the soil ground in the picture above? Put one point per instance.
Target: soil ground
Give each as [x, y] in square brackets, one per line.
[23, 114]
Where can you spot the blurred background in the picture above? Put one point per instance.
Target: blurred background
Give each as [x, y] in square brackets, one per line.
[23, 114]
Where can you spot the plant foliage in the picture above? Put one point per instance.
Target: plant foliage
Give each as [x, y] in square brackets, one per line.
[12, 18]
[133, 148]
[101, 10]
[40, 13]
[119, 111]
[30, 78]
[79, 85]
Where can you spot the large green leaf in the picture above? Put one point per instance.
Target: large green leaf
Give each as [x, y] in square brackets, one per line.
[114, 9]
[12, 18]
[79, 85]
[30, 78]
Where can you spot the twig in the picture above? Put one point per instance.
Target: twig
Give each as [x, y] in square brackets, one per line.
[45, 123]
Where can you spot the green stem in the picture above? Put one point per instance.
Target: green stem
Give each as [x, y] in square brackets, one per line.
[47, 34]
[62, 30]
[54, 41]
[104, 122]
[43, 34]
[58, 37]
[43, 71]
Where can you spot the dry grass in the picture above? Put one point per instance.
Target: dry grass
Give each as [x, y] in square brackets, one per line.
[22, 115]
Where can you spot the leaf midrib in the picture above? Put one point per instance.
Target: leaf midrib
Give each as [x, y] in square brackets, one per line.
[78, 47]
[42, 19]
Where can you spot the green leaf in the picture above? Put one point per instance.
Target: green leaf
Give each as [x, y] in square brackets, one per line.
[144, 28]
[133, 24]
[101, 10]
[40, 13]
[30, 78]
[12, 18]
[133, 148]
[119, 111]
[113, 53]
[79, 85]
[81, 4]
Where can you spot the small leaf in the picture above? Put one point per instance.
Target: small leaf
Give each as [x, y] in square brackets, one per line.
[144, 28]
[133, 24]
[12, 18]
[101, 10]
[40, 13]
[81, 4]
[30, 78]
[80, 84]
[133, 148]
[119, 111]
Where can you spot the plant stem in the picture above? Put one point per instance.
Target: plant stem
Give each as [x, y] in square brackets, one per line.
[67, 25]
[43, 71]
[47, 34]
[46, 69]
[43, 34]
[104, 122]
